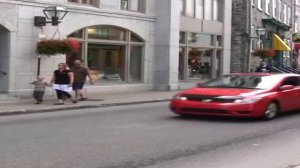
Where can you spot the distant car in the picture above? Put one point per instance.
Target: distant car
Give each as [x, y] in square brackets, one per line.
[241, 95]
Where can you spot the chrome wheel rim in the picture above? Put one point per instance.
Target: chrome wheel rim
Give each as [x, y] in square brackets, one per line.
[271, 111]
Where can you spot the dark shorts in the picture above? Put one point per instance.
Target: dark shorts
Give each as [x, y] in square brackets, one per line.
[78, 86]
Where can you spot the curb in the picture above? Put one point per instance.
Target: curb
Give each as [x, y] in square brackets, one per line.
[56, 109]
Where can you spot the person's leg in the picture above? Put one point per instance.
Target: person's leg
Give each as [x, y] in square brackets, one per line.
[59, 94]
[80, 91]
[35, 96]
[40, 96]
[69, 97]
[77, 87]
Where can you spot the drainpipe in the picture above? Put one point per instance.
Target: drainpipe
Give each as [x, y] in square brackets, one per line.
[248, 64]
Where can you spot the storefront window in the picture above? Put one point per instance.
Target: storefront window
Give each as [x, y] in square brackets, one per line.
[106, 62]
[199, 63]
[105, 51]
[136, 53]
[200, 39]
[182, 37]
[106, 33]
[181, 64]
[77, 34]
[219, 41]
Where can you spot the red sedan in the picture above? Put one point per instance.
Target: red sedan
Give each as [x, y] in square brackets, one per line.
[241, 95]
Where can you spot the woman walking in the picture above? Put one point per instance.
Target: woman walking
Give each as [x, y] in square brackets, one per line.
[63, 81]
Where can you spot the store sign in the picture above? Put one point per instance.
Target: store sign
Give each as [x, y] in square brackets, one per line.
[296, 37]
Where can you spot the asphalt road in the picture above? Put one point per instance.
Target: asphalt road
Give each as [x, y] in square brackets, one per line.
[146, 136]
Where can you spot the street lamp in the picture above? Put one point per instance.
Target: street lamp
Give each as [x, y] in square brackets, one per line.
[261, 32]
[53, 13]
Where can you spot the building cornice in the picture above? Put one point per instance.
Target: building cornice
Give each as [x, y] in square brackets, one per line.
[84, 9]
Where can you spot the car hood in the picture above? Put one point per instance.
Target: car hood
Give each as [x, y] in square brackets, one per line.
[223, 92]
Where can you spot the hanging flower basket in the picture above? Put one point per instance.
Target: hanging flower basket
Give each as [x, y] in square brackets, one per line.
[264, 53]
[54, 46]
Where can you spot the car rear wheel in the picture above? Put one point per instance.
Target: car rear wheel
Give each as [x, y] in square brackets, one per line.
[271, 111]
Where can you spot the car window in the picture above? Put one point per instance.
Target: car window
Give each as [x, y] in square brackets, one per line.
[291, 81]
[243, 82]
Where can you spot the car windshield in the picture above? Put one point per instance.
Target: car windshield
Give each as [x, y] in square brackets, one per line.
[243, 82]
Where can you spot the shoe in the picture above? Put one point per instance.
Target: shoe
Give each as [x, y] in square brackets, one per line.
[58, 104]
[83, 99]
[74, 101]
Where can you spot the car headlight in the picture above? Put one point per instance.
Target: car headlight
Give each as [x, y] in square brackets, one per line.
[179, 97]
[247, 100]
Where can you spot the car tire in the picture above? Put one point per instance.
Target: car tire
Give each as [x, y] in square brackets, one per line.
[271, 111]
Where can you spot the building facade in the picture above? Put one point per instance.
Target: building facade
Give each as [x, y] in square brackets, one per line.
[275, 16]
[129, 45]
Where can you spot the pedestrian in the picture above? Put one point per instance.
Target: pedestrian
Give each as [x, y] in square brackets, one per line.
[264, 67]
[39, 89]
[63, 81]
[80, 75]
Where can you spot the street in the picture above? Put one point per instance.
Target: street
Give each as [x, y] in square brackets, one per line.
[146, 135]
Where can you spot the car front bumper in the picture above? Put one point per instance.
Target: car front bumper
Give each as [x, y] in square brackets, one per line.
[217, 109]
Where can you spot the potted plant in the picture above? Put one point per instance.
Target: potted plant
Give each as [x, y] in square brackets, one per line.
[56, 46]
[264, 53]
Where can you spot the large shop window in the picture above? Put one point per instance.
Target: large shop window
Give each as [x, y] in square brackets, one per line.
[200, 56]
[113, 54]
[133, 5]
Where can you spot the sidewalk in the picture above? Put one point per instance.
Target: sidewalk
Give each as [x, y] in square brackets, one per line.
[14, 107]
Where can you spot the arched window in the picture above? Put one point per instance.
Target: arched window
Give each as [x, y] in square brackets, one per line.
[113, 54]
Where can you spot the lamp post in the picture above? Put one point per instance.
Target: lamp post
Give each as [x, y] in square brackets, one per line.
[261, 32]
[53, 15]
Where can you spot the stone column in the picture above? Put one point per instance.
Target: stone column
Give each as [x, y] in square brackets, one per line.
[166, 59]
[227, 36]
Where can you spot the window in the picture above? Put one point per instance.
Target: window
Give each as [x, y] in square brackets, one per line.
[113, 54]
[203, 9]
[189, 8]
[199, 9]
[259, 4]
[267, 5]
[133, 5]
[278, 12]
[215, 10]
[86, 2]
[289, 15]
[196, 56]
[285, 15]
[208, 9]
[200, 39]
[182, 7]
[274, 8]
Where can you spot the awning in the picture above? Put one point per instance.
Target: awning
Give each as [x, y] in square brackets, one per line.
[279, 44]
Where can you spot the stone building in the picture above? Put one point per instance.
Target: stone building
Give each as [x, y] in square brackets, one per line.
[129, 45]
[275, 16]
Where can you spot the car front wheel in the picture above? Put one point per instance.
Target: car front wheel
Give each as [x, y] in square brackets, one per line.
[271, 111]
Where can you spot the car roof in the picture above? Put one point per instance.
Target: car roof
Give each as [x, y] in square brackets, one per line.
[282, 75]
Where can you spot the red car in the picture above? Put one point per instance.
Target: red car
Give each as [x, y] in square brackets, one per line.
[241, 95]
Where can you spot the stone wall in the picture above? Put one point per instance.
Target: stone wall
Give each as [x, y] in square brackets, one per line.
[240, 43]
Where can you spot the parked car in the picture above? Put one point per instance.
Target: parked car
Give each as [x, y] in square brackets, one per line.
[241, 95]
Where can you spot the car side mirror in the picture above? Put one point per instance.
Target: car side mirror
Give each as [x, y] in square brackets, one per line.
[286, 87]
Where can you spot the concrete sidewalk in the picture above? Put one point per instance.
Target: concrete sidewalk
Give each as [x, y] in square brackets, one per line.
[14, 107]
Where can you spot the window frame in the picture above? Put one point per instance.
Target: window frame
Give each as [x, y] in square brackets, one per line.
[141, 6]
[94, 3]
